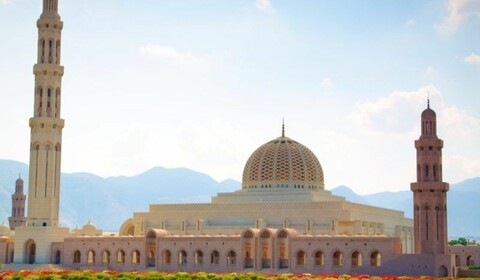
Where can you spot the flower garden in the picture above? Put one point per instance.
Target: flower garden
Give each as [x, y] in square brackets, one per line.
[114, 275]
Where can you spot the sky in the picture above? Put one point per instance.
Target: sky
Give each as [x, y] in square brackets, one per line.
[201, 84]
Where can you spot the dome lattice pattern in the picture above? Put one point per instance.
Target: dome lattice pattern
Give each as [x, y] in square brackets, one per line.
[283, 163]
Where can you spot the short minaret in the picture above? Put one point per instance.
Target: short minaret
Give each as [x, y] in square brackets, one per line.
[46, 124]
[429, 192]
[18, 218]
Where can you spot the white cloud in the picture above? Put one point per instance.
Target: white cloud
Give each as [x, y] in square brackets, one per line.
[395, 113]
[326, 82]
[399, 113]
[460, 167]
[431, 74]
[456, 123]
[459, 12]
[263, 5]
[5, 2]
[172, 54]
[472, 59]
[409, 23]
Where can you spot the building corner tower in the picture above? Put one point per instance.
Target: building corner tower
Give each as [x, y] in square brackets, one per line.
[33, 243]
[430, 192]
[18, 218]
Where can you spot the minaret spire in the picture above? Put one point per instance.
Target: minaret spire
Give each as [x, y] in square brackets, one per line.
[50, 6]
[283, 127]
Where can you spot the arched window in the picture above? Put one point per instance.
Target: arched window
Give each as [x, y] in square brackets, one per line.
[356, 259]
[106, 257]
[338, 258]
[248, 234]
[419, 171]
[77, 257]
[182, 257]
[215, 258]
[135, 257]
[42, 54]
[319, 258]
[91, 257]
[50, 50]
[121, 257]
[56, 105]
[231, 258]
[375, 259]
[265, 234]
[167, 257]
[57, 52]
[301, 260]
[198, 257]
[426, 173]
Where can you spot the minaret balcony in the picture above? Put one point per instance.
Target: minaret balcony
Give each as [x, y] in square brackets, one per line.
[430, 142]
[429, 187]
[46, 123]
[48, 69]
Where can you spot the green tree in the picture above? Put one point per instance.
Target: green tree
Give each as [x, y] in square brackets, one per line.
[462, 241]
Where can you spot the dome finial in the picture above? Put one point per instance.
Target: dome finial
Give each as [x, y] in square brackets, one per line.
[428, 99]
[283, 127]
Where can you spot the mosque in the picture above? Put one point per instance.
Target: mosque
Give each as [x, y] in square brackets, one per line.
[281, 220]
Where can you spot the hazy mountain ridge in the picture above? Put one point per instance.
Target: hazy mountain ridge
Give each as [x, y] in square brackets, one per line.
[108, 202]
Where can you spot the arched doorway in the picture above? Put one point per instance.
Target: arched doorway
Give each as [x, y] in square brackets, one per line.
[470, 261]
[58, 257]
[457, 261]
[11, 256]
[265, 242]
[30, 250]
[443, 271]
[151, 248]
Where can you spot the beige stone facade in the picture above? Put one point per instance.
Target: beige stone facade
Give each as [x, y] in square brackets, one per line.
[281, 220]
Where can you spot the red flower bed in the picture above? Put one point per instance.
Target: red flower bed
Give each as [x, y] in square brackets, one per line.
[115, 275]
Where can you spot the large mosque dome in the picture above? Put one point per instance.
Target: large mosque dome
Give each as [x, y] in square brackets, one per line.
[283, 163]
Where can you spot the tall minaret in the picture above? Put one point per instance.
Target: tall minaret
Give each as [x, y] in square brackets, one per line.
[429, 192]
[33, 243]
[46, 124]
[18, 218]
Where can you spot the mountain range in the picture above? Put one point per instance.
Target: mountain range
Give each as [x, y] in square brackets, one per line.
[108, 202]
